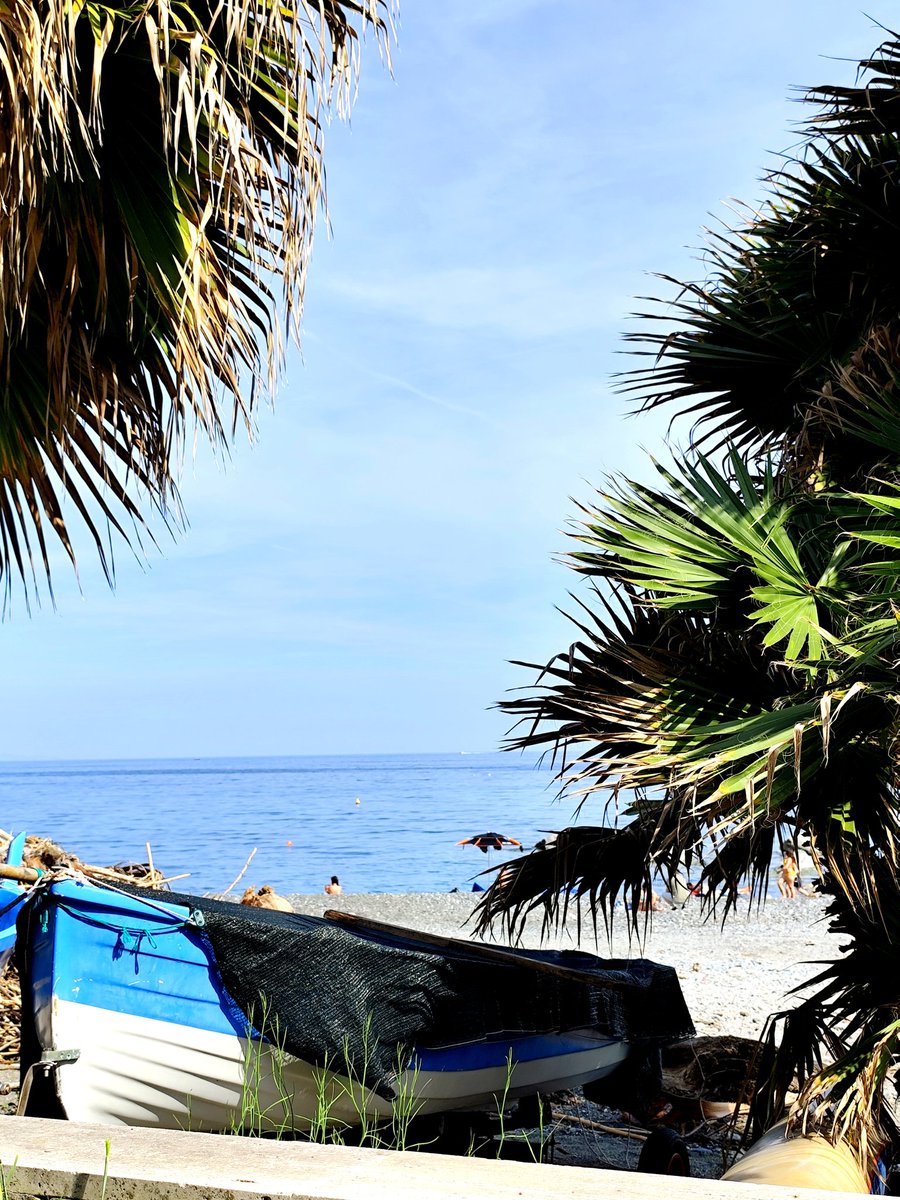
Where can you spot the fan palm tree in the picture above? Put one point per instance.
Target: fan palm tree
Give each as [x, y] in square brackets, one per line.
[160, 173]
[734, 683]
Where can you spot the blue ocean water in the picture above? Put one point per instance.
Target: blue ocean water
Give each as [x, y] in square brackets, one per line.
[205, 816]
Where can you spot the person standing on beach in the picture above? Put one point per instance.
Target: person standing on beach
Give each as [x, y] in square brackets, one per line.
[787, 876]
[334, 888]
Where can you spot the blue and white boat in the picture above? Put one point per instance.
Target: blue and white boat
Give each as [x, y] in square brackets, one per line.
[147, 1008]
[12, 896]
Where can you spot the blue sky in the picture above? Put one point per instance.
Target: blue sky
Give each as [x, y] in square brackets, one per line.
[356, 580]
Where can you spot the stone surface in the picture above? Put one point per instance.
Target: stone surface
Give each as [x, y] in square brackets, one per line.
[87, 1162]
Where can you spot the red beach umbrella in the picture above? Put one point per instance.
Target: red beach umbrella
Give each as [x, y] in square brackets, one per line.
[489, 841]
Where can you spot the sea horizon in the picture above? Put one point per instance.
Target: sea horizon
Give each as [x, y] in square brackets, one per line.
[384, 822]
[126, 758]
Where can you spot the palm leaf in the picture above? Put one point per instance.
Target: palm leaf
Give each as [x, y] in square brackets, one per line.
[842, 1040]
[164, 170]
[597, 863]
[694, 546]
[786, 313]
[733, 679]
[869, 108]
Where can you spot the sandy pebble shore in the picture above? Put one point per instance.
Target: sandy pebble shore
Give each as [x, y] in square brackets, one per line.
[732, 978]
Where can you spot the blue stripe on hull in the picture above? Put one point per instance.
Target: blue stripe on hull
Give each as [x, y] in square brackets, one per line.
[476, 1055]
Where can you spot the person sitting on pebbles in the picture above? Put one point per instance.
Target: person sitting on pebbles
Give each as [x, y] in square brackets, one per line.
[334, 888]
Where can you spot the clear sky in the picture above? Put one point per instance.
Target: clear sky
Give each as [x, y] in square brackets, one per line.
[356, 580]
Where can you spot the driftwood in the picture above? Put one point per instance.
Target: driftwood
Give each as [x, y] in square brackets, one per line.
[10, 1005]
[43, 855]
[638, 1135]
[240, 876]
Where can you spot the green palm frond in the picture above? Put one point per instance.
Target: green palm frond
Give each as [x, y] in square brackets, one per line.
[786, 312]
[644, 706]
[733, 682]
[162, 170]
[672, 709]
[708, 542]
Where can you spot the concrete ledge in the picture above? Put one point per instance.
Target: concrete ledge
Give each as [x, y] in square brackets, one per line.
[64, 1159]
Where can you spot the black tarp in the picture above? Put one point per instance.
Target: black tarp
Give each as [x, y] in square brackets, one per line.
[351, 999]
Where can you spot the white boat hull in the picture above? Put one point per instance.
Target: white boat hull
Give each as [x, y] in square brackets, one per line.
[800, 1161]
[134, 1070]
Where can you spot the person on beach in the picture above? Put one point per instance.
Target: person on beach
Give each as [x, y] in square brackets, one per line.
[334, 888]
[787, 876]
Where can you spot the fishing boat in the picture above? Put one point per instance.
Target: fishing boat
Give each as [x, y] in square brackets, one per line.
[12, 897]
[149, 1008]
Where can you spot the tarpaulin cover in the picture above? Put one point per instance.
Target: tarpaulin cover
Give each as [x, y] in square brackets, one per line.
[342, 997]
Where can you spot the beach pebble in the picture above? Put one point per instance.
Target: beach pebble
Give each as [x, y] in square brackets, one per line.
[732, 978]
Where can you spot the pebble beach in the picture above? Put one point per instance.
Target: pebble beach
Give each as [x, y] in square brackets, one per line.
[732, 977]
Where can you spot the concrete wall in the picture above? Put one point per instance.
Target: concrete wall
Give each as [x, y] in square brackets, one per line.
[64, 1159]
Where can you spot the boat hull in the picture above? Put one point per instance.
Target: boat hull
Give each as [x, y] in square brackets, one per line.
[134, 1070]
[128, 995]
[12, 897]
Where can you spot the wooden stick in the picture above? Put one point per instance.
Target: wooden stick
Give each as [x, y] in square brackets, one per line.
[240, 876]
[29, 875]
[106, 873]
[480, 950]
[22, 874]
[571, 1119]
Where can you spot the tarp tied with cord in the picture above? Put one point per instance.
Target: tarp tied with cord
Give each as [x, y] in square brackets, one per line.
[333, 996]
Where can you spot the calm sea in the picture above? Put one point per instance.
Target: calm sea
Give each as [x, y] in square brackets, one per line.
[382, 823]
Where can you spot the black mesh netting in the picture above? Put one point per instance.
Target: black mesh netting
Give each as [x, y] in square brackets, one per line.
[329, 994]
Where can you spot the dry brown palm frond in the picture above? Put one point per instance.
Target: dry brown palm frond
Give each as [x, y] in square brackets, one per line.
[581, 872]
[161, 169]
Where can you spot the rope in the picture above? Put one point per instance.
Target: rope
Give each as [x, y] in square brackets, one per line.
[126, 933]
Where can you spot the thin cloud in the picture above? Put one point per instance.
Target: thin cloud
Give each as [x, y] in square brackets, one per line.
[521, 302]
[437, 401]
